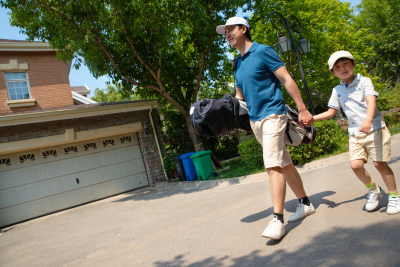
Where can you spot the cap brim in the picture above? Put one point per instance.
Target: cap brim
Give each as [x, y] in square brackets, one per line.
[337, 58]
[221, 29]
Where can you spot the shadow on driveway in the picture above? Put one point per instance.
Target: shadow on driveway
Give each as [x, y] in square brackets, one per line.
[375, 245]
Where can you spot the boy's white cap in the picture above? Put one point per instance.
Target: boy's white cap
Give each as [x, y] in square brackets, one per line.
[339, 54]
[232, 21]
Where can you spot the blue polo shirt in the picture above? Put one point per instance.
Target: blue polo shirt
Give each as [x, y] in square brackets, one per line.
[261, 88]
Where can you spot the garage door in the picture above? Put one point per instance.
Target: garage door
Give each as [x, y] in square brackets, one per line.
[39, 182]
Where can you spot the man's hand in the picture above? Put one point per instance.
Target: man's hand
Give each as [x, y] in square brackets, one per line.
[306, 118]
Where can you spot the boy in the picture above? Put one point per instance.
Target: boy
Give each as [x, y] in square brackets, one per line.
[369, 137]
[258, 77]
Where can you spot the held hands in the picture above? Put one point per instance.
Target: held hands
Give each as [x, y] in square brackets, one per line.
[306, 118]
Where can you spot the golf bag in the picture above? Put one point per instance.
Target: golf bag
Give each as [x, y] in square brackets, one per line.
[219, 117]
[297, 134]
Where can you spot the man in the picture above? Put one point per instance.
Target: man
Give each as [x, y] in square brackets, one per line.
[259, 74]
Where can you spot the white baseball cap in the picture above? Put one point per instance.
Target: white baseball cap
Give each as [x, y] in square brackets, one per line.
[337, 55]
[232, 21]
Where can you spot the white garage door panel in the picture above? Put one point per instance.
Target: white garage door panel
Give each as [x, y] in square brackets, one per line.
[68, 176]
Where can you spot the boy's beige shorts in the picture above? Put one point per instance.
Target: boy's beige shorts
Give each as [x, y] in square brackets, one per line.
[270, 133]
[375, 145]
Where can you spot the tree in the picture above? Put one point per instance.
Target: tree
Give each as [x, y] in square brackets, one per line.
[380, 22]
[166, 49]
[111, 94]
[327, 24]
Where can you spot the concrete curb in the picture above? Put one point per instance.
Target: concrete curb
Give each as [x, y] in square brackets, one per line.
[258, 177]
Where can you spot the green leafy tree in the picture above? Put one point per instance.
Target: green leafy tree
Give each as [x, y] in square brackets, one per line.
[326, 24]
[164, 49]
[379, 21]
[111, 94]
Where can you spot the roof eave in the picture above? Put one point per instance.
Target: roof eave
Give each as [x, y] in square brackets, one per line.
[74, 113]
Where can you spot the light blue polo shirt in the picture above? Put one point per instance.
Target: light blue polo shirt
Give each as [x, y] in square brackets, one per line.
[353, 100]
[260, 87]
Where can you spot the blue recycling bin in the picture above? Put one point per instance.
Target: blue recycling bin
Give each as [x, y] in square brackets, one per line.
[188, 166]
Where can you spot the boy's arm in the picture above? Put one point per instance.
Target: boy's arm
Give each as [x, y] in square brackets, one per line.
[366, 125]
[326, 115]
[284, 77]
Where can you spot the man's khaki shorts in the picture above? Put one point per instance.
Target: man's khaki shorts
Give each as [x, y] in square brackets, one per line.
[375, 145]
[270, 134]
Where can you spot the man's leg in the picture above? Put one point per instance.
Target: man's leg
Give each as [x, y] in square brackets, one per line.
[294, 181]
[277, 188]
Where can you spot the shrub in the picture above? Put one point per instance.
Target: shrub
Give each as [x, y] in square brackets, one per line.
[251, 152]
[388, 97]
[392, 117]
[169, 164]
[225, 147]
[329, 135]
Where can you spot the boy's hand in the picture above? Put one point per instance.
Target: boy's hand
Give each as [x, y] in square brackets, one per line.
[306, 118]
[366, 127]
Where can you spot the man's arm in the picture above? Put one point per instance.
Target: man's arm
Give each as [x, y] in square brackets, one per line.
[366, 125]
[283, 75]
[239, 94]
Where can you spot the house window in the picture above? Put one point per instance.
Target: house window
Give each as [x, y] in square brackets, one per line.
[17, 85]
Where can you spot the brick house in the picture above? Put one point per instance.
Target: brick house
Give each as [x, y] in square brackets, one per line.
[59, 149]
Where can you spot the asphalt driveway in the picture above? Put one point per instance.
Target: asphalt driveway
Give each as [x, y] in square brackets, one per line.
[216, 223]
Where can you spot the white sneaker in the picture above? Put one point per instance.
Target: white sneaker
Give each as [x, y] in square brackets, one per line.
[275, 229]
[301, 212]
[393, 206]
[373, 199]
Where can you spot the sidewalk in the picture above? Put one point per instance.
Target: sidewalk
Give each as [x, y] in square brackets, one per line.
[213, 224]
[258, 177]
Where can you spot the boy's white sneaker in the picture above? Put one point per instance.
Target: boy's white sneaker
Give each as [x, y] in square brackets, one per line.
[393, 206]
[301, 212]
[275, 229]
[373, 199]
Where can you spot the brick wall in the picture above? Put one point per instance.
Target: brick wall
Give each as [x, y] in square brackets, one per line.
[147, 141]
[48, 79]
[149, 149]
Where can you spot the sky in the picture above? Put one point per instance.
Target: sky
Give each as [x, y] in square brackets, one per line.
[79, 77]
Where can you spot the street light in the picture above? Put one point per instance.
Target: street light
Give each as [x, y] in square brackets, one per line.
[285, 45]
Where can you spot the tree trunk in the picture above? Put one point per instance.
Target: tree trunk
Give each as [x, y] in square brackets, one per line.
[198, 143]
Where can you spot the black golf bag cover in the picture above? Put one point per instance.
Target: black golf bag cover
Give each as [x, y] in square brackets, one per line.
[219, 117]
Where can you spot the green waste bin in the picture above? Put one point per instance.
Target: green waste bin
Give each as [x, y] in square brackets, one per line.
[203, 164]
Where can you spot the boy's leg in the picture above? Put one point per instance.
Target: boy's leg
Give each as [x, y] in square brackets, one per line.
[387, 175]
[360, 148]
[375, 192]
[362, 174]
[378, 145]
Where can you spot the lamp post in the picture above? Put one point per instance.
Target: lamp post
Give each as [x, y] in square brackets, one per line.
[292, 24]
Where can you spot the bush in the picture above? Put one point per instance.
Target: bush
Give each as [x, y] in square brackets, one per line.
[169, 164]
[389, 97]
[225, 147]
[251, 152]
[329, 136]
[392, 117]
